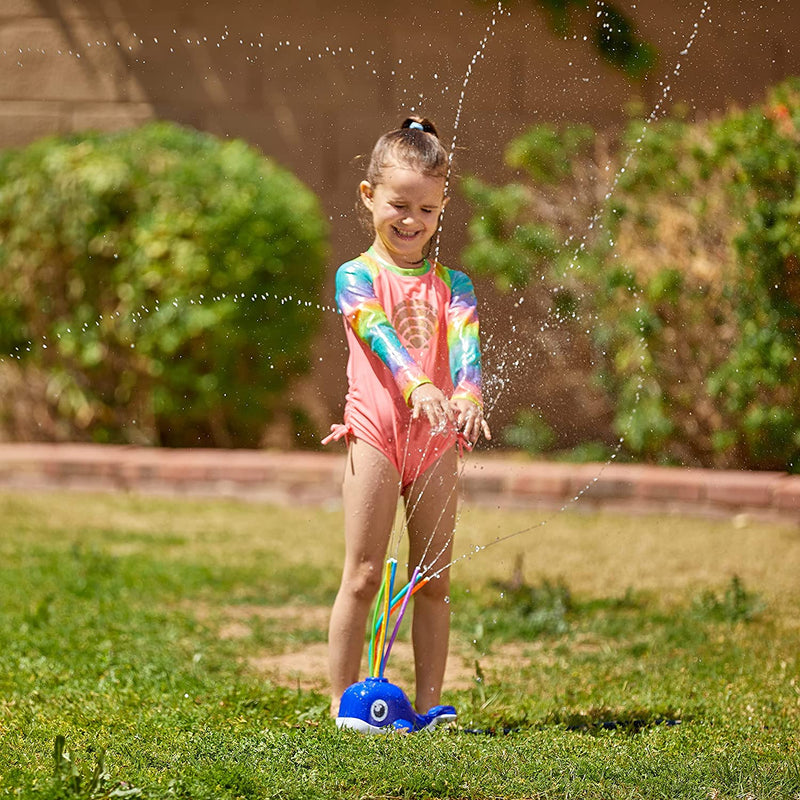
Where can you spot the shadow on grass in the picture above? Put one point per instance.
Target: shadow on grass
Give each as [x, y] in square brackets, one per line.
[543, 632]
[595, 721]
[603, 719]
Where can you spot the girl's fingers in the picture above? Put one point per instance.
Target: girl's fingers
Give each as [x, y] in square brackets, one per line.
[431, 401]
[468, 424]
[472, 424]
[476, 430]
[440, 413]
[437, 413]
[469, 427]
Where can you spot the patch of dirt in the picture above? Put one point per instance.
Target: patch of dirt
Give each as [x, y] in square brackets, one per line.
[290, 618]
[234, 630]
[307, 668]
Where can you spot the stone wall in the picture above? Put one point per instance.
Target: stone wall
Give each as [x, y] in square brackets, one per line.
[315, 478]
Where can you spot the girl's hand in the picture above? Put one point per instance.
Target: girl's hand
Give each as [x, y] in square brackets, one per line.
[427, 399]
[469, 419]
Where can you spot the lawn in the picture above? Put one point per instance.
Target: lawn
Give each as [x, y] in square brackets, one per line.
[177, 646]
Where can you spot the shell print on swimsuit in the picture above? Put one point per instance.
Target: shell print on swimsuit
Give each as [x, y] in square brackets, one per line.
[415, 323]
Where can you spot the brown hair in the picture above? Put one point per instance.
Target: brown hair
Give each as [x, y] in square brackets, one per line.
[414, 144]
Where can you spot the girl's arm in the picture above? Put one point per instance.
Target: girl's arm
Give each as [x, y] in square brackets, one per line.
[355, 296]
[465, 357]
[463, 340]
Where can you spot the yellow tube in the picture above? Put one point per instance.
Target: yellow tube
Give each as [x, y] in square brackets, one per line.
[387, 599]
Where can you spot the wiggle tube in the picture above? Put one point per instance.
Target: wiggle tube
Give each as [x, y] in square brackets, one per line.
[400, 614]
[373, 635]
[391, 566]
[397, 601]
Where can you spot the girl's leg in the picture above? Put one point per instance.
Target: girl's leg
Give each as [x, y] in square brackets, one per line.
[431, 503]
[370, 493]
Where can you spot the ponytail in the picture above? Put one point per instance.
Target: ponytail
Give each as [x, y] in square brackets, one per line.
[415, 144]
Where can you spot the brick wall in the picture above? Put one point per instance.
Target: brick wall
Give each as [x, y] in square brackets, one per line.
[315, 478]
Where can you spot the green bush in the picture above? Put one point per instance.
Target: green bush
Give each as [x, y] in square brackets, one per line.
[529, 432]
[681, 263]
[160, 279]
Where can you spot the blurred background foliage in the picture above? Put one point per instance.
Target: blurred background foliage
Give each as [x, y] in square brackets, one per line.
[159, 286]
[147, 280]
[685, 284]
[610, 30]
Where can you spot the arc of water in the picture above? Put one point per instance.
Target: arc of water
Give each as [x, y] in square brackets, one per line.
[140, 314]
[594, 220]
[395, 537]
[496, 11]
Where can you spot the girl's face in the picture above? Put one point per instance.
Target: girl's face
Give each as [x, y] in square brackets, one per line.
[405, 208]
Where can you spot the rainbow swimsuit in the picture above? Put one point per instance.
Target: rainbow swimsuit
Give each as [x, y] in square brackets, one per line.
[405, 327]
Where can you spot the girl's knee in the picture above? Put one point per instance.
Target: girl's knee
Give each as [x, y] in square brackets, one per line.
[436, 591]
[363, 582]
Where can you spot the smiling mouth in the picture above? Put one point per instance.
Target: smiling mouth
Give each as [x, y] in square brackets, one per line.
[406, 235]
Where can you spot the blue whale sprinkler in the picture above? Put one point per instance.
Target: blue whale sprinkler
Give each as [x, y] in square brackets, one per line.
[374, 705]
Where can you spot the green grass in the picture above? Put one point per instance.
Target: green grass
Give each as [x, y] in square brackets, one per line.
[595, 656]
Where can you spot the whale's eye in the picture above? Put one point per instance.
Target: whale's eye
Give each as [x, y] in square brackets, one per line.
[379, 710]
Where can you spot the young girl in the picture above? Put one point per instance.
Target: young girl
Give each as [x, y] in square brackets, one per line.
[414, 388]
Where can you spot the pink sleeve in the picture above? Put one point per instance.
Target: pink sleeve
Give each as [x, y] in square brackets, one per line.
[355, 296]
[463, 339]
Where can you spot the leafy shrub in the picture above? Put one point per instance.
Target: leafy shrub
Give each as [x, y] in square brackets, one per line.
[681, 262]
[152, 276]
[529, 432]
[613, 33]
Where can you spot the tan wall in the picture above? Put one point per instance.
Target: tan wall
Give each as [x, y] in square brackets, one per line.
[315, 111]
[282, 75]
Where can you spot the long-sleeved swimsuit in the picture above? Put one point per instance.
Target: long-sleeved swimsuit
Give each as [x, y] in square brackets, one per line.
[404, 328]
